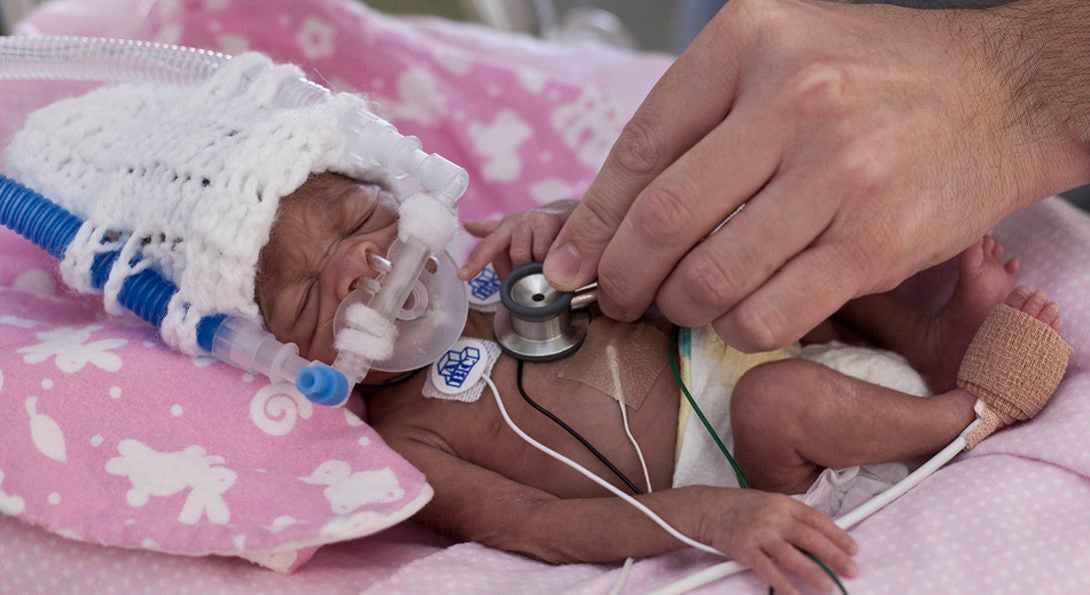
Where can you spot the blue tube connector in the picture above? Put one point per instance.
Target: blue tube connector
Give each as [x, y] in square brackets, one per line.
[234, 340]
[249, 347]
[323, 385]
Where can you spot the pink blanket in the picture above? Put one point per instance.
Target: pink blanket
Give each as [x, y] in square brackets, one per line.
[531, 122]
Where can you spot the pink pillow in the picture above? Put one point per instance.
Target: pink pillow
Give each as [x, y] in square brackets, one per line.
[112, 438]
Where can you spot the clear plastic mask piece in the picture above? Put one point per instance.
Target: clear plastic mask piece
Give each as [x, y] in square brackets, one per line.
[430, 321]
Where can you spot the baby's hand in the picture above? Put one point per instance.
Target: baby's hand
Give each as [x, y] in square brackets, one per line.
[767, 531]
[518, 238]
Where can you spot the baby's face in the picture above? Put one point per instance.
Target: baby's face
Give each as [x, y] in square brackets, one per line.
[317, 254]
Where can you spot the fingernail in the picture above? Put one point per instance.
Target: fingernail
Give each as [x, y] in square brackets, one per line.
[561, 266]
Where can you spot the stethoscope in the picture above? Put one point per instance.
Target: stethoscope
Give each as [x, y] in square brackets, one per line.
[536, 322]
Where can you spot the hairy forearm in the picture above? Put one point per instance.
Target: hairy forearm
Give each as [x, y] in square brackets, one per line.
[1042, 51]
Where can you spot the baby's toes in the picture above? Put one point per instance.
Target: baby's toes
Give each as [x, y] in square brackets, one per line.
[1050, 315]
[1035, 303]
[973, 258]
[1017, 297]
[1012, 267]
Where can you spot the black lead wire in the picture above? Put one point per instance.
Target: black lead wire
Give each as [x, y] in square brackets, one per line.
[574, 434]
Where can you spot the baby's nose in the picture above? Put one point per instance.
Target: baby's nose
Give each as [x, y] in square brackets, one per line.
[350, 268]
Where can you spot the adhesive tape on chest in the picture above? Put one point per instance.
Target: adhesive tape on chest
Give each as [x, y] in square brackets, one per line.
[484, 290]
[459, 373]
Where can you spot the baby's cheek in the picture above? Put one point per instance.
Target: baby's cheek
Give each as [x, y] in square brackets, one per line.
[322, 348]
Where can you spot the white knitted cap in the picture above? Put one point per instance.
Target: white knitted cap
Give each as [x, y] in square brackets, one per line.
[195, 173]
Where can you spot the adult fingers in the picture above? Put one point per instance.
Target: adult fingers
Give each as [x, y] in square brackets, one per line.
[691, 98]
[773, 227]
[811, 287]
[680, 207]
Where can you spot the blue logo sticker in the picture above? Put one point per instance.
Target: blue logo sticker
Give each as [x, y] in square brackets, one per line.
[485, 284]
[455, 366]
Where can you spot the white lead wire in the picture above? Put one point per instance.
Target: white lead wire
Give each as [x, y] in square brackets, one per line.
[598, 480]
[845, 522]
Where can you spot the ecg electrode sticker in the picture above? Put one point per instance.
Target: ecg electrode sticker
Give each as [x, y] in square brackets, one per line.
[484, 290]
[458, 373]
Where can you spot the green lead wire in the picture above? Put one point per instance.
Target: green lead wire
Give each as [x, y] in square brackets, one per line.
[715, 436]
[692, 402]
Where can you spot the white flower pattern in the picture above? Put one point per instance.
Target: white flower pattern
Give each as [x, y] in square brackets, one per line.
[72, 351]
[316, 38]
[11, 505]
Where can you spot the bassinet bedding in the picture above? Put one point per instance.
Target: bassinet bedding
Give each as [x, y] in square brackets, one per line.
[530, 122]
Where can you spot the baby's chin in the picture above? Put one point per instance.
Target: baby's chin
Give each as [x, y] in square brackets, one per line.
[380, 377]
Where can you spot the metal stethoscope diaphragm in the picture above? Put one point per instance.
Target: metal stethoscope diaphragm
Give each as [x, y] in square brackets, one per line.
[536, 322]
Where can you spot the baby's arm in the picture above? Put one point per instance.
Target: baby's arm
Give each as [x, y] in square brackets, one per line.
[758, 529]
[518, 238]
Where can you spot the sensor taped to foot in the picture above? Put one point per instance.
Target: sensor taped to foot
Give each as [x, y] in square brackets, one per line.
[1013, 365]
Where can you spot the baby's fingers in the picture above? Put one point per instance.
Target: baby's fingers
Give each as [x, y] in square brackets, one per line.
[792, 556]
[815, 539]
[485, 252]
[832, 536]
[481, 229]
[768, 571]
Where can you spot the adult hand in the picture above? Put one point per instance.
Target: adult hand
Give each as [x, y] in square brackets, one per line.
[867, 141]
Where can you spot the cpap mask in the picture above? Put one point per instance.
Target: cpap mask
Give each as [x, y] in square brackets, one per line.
[404, 318]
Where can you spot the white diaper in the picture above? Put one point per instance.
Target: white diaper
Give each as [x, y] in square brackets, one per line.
[710, 370]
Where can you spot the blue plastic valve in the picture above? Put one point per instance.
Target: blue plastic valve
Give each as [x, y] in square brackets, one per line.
[323, 385]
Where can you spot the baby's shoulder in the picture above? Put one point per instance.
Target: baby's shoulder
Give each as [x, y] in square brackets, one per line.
[402, 410]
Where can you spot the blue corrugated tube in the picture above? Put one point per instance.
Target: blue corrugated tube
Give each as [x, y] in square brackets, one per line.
[147, 293]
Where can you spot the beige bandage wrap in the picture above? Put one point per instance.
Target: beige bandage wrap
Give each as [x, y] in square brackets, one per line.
[639, 349]
[1013, 365]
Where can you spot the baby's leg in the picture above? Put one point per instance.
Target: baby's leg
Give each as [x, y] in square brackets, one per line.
[793, 418]
[934, 345]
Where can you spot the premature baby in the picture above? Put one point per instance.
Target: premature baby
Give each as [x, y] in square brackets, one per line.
[791, 419]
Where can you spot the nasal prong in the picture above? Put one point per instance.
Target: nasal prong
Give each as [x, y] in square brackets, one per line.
[368, 284]
[380, 264]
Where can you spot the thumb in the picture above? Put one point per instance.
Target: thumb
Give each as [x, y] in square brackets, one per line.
[573, 257]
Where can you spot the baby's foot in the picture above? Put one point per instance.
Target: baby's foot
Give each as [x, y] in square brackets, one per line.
[984, 280]
[1014, 364]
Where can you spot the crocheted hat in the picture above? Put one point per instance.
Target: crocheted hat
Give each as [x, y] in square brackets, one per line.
[191, 176]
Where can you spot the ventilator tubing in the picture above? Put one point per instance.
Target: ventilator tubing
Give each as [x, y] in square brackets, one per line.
[147, 294]
[372, 141]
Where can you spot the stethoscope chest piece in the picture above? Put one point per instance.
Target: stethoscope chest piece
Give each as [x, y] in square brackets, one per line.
[537, 322]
